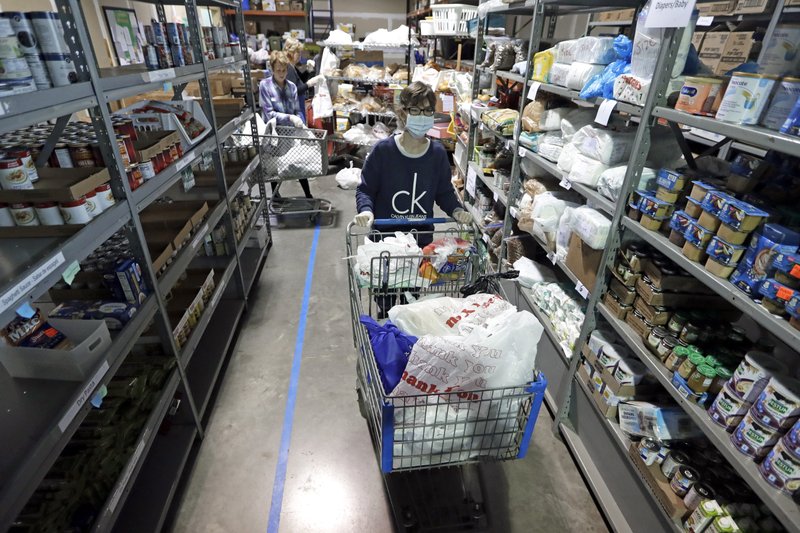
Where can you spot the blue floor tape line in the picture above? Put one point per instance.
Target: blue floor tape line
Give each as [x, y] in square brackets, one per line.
[288, 415]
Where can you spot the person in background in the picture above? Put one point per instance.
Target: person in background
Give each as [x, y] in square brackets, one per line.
[297, 73]
[278, 98]
[405, 174]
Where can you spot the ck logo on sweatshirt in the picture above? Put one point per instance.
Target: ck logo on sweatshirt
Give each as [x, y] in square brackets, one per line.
[414, 200]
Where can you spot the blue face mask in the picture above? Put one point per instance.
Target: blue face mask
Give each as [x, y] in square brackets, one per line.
[418, 125]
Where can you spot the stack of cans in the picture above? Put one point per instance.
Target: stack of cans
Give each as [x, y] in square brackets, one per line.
[168, 45]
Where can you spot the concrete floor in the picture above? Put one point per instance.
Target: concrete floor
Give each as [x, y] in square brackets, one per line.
[332, 480]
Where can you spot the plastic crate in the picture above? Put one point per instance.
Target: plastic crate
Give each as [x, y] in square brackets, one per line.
[427, 27]
[451, 19]
[155, 121]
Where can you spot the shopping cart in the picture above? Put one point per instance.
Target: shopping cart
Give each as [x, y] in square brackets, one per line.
[413, 434]
[289, 153]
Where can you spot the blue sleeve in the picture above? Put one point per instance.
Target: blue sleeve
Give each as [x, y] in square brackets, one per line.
[445, 193]
[267, 110]
[367, 191]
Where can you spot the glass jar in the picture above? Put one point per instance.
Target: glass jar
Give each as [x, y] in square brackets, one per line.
[701, 378]
[676, 323]
[723, 374]
[676, 358]
[668, 343]
[690, 333]
[692, 361]
[712, 361]
[654, 338]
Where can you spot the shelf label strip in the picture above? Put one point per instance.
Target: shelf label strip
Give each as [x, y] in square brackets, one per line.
[112, 504]
[16, 292]
[88, 390]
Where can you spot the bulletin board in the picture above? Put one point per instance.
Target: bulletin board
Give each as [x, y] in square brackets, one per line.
[123, 31]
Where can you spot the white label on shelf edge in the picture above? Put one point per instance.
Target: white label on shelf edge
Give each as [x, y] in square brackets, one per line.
[158, 75]
[513, 211]
[705, 21]
[200, 236]
[521, 151]
[215, 299]
[15, 293]
[582, 290]
[471, 177]
[565, 183]
[604, 111]
[674, 14]
[552, 257]
[183, 161]
[123, 482]
[87, 393]
[533, 90]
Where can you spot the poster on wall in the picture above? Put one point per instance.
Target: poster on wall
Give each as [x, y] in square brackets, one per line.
[123, 31]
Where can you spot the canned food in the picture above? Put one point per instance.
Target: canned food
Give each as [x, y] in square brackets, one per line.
[682, 481]
[75, 212]
[781, 469]
[648, 450]
[752, 374]
[82, 155]
[786, 95]
[104, 197]
[50, 32]
[134, 176]
[697, 95]
[147, 169]
[61, 69]
[49, 214]
[24, 214]
[697, 493]
[6, 218]
[728, 408]
[61, 157]
[133, 156]
[123, 151]
[778, 405]
[672, 462]
[29, 44]
[91, 204]
[746, 98]
[753, 438]
[24, 155]
[13, 175]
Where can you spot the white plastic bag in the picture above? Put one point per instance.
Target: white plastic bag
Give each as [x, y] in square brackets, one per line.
[567, 157]
[531, 273]
[563, 232]
[559, 73]
[399, 270]
[580, 73]
[575, 120]
[447, 316]
[607, 146]
[610, 181]
[586, 170]
[567, 51]
[597, 50]
[591, 226]
[349, 178]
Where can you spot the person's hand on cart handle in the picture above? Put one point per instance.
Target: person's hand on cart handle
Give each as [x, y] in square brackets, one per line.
[296, 121]
[364, 219]
[316, 80]
[462, 216]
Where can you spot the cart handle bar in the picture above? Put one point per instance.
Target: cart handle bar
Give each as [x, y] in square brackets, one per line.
[409, 222]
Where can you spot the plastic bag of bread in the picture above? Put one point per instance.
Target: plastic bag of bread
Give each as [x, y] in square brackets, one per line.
[355, 70]
[536, 115]
[534, 187]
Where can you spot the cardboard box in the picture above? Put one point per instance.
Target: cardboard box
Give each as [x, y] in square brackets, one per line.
[750, 7]
[151, 143]
[646, 387]
[638, 324]
[655, 315]
[615, 307]
[716, 9]
[673, 283]
[697, 39]
[250, 27]
[59, 185]
[678, 300]
[659, 485]
[607, 409]
[625, 295]
[737, 50]
[370, 58]
[445, 103]
[713, 47]
[663, 422]
[583, 261]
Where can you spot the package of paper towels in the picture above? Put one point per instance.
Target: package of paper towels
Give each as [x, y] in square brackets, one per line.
[631, 89]
[607, 146]
[567, 51]
[591, 226]
[598, 50]
[586, 170]
[580, 73]
[558, 74]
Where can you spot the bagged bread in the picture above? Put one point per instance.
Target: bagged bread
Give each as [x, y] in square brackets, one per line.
[535, 116]
[610, 147]
[631, 89]
[586, 170]
[558, 74]
[598, 50]
[551, 119]
[591, 226]
[580, 73]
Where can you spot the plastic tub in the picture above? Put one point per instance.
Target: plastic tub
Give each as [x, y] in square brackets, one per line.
[451, 19]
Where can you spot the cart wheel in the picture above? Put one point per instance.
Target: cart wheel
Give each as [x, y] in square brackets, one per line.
[361, 407]
[409, 520]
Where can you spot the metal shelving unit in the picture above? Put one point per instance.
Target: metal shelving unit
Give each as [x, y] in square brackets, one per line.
[599, 447]
[42, 415]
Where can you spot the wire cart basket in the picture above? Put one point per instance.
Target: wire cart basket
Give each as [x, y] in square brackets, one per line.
[413, 434]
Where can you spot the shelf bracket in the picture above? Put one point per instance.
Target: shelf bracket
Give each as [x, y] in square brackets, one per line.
[52, 140]
[687, 152]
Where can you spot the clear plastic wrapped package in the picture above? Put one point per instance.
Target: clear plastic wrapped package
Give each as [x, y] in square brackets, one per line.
[575, 120]
[610, 147]
[597, 50]
[568, 51]
[558, 74]
[580, 73]
[610, 182]
[631, 89]
[591, 226]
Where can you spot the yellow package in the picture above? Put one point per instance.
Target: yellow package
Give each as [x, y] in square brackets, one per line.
[542, 61]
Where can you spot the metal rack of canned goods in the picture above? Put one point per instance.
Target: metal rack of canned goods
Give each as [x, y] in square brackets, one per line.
[84, 191]
[613, 462]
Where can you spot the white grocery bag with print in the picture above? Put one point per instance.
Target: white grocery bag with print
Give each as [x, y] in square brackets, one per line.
[447, 316]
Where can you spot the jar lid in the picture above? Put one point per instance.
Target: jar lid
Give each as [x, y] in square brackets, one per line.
[696, 358]
[705, 491]
[21, 205]
[660, 331]
[681, 351]
[707, 370]
[712, 361]
[693, 349]
[670, 341]
[679, 457]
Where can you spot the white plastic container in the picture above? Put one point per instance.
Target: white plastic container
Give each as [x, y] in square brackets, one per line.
[786, 94]
[451, 19]
[91, 340]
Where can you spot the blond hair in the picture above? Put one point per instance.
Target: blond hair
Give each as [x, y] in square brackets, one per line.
[278, 58]
[292, 45]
